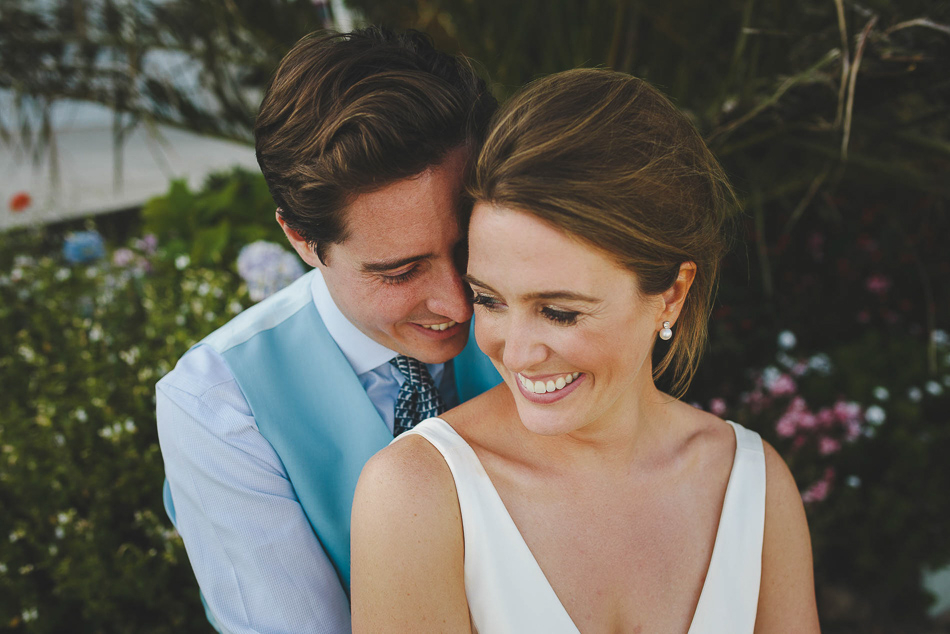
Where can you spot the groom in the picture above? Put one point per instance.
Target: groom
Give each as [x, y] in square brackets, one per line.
[264, 426]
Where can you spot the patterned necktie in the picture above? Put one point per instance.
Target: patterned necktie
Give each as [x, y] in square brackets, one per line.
[418, 398]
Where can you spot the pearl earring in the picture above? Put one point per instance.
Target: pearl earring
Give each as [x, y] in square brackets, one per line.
[666, 333]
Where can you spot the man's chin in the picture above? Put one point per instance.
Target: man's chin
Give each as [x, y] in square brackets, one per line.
[434, 346]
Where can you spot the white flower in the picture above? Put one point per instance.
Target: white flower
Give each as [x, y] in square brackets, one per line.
[820, 363]
[940, 337]
[182, 262]
[915, 394]
[81, 415]
[180, 320]
[204, 288]
[59, 532]
[27, 353]
[129, 425]
[934, 388]
[853, 481]
[29, 614]
[787, 340]
[95, 333]
[62, 274]
[785, 360]
[235, 307]
[3, 569]
[875, 415]
[881, 393]
[770, 375]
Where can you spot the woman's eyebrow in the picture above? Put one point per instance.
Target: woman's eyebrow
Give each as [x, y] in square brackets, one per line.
[569, 295]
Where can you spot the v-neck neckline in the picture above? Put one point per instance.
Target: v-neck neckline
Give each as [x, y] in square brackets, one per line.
[523, 545]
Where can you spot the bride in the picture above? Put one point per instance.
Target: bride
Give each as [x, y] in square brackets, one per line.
[578, 497]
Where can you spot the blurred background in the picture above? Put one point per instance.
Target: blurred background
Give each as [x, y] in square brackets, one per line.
[135, 222]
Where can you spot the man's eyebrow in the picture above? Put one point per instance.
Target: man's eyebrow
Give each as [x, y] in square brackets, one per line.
[569, 295]
[389, 265]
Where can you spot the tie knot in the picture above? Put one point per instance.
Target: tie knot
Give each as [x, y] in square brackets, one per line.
[418, 398]
[415, 371]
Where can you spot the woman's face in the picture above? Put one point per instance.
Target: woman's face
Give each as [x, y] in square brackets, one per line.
[563, 323]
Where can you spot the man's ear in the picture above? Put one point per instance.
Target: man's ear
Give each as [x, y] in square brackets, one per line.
[301, 246]
[675, 295]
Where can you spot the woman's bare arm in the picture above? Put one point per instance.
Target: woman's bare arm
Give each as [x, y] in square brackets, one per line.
[787, 591]
[406, 544]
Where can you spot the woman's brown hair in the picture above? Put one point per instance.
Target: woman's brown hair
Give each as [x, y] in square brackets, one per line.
[607, 158]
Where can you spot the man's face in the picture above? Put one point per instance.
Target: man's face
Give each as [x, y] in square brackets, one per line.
[396, 276]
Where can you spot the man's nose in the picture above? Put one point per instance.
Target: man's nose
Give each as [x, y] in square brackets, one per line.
[450, 296]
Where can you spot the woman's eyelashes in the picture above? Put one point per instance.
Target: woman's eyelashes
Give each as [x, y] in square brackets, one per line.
[558, 316]
[487, 301]
[554, 315]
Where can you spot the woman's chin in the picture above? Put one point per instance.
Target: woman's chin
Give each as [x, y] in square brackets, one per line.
[546, 423]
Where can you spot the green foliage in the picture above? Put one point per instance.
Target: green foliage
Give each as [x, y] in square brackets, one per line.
[211, 225]
[86, 545]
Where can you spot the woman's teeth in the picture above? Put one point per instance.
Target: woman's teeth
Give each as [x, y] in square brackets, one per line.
[540, 387]
[447, 324]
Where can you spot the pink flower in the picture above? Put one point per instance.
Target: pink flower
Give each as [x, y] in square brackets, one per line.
[786, 426]
[816, 492]
[819, 490]
[877, 284]
[825, 417]
[852, 430]
[846, 411]
[798, 404]
[828, 446]
[717, 406]
[799, 369]
[783, 386]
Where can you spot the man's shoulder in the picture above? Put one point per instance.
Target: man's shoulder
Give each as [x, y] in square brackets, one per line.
[204, 367]
[263, 316]
[199, 370]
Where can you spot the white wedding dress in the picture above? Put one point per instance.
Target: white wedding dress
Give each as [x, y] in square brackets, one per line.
[508, 593]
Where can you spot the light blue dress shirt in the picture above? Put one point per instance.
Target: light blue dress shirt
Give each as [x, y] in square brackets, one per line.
[256, 558]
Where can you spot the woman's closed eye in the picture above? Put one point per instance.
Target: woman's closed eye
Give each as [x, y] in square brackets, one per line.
[558, 316]
[489, 302]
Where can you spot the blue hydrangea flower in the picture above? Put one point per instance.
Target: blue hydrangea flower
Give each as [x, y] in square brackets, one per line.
[267, 267]
[83, 246]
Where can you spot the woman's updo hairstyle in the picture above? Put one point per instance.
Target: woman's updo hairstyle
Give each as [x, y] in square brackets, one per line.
[608, 159]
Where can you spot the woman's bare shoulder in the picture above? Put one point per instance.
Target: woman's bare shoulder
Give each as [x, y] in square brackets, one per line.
[408, 471]
[787, 589]
[406, 533]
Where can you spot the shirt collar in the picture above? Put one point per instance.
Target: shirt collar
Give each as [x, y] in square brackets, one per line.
[363, 353]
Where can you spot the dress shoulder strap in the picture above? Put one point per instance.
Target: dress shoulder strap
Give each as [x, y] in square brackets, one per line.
[507, 591]
[730, 594]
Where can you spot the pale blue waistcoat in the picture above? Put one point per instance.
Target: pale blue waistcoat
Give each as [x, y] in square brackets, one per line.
[311, 407]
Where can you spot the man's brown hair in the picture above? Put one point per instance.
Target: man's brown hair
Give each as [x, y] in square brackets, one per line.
[347, 114]
[607, 158]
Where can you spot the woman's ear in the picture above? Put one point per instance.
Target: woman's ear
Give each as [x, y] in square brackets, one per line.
[675, 295]
[300, 245]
